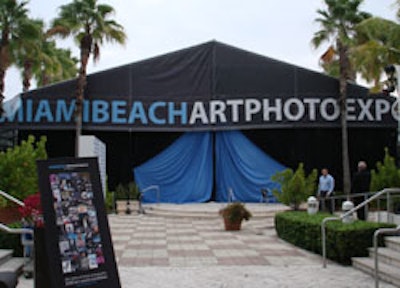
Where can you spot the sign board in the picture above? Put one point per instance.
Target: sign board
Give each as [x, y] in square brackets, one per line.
[78, 240]
[230, 113]
[91, 146]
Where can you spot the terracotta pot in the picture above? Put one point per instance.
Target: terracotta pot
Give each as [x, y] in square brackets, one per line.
[232, 226]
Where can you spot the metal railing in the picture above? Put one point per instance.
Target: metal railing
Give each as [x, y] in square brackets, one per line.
[151, 187]
[21, 231]
[12, 198]
[331, 200]
[9, 230]
[350, 213]
[382, 231]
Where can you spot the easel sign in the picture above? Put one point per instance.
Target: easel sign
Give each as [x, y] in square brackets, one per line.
[78, 241]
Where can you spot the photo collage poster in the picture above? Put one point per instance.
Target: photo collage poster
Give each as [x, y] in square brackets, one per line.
[76, 224]
[76, 217]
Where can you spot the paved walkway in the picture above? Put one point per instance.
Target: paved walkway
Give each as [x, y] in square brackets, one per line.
[151, 241]
[171, 252]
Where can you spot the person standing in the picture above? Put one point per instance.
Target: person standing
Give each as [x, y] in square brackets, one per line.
[326, 185]
[360, 184]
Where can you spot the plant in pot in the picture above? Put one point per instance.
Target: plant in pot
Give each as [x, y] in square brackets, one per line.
[233, 215]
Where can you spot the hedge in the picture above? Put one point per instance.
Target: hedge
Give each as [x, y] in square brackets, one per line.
[343, 241]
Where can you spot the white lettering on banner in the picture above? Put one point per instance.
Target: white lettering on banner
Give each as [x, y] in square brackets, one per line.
[312, 107]
[365, 109]
[217, 109]
[396, 110]
[252, 107]
[325, 104]
[184, 114]
[381, 107]
[198, 113]
[277, 110]
[235, 109]
[351, 109]
[299, 109]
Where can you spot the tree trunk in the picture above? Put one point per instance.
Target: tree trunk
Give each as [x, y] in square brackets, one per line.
[3, 65]
[344, 71]
[27, 74]
[85, 53]
[2, 77]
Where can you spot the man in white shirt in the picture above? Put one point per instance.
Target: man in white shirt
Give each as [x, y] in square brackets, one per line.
[326, 185]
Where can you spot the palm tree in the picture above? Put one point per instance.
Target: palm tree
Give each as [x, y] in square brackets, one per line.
[39, 58]
[27, 51]
[337, 28]
[377, 45]
[90, 24]
[14, 24]
[57, 64]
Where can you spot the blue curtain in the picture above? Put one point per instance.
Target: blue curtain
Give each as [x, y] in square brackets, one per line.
[242, 168]
[183, 171]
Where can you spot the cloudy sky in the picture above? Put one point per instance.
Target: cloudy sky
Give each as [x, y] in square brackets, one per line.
[280, 29]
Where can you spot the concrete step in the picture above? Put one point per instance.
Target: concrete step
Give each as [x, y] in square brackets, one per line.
[387, 256]
[14, 264]
[393, 242]
[387, 272]
[5, 255]
[198, 215]
[28, 269]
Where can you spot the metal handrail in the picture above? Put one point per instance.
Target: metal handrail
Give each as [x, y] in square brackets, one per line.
[156, 187]
[9, 230]
[231, 196]
[376, 234]
[151, 187]
[12, 198]
[350, 212]
[365, 195]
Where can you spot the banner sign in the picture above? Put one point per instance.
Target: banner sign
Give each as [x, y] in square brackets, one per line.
[78, 241]
[106, 114]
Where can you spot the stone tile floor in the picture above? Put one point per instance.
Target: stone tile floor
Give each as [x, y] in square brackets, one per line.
[187, 252]
[153, 241]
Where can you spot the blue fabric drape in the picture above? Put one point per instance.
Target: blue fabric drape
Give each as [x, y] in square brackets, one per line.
[183, 171]
[242, 167]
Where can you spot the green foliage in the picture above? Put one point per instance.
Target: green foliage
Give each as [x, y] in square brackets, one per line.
[109, 201]
[386, 175]
[235, 212]
[18, 175]
[122, 192]
[12, 241]
[343, 240]
[295, 186]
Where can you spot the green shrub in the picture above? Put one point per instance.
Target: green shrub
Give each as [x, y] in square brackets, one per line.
[12, 241]
[121, 191]
[18, 175]
[296, 187]
[343, 241]
[386, 175]
[109, 201]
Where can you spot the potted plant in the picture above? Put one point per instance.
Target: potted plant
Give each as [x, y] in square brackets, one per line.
[233, 215]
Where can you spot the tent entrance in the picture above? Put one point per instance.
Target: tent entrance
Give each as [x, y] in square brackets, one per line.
[197, 164]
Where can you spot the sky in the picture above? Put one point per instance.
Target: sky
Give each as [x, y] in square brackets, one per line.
[280, 29]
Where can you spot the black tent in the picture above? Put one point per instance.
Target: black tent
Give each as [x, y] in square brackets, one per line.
[139, 109]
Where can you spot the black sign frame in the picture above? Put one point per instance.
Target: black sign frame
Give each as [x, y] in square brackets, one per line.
[78, 240]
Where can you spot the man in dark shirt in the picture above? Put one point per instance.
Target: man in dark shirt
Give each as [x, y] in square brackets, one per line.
[360, 184]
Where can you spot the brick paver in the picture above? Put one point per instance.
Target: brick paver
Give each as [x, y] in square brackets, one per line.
[141, 241]
[197, 253]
